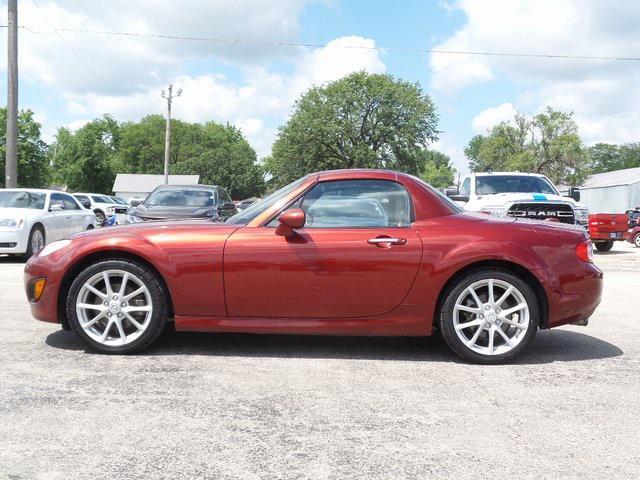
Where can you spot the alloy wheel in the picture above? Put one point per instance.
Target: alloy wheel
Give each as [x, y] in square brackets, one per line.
[114, 307]
[637, 240]
[491, 317]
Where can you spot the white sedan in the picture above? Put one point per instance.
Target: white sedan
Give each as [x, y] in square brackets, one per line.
[32, 218]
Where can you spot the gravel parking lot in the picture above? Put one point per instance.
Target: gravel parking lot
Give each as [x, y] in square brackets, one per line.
[271, 407]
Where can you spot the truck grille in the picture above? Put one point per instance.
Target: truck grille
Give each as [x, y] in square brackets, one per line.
[543, 211]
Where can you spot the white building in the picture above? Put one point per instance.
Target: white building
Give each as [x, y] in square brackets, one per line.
[133, 185]
[612, 192]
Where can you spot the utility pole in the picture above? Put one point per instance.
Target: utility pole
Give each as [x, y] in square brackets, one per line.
[167, 136]
[11, 159]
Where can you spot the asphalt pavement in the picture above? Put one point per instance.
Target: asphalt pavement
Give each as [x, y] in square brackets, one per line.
[222, 406]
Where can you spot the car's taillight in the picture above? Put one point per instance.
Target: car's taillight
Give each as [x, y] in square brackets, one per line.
[584, 251]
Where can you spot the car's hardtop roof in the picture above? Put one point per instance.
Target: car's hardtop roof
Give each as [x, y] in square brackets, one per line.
[360, 172]
[188, 187]
[27, 189]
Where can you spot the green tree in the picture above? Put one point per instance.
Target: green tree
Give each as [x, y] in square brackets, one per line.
[33, 167]
[606, 157]
[431, 166]
[361, 120]
[141, 147]
[547, 143]
[221, 156]
[218, 153]
[83, 160]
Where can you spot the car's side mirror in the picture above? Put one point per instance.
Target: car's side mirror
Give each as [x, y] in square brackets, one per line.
[135, 203]
[290, 221]
[227, 206]
[574, 193]
[56, 207]
[454, 194]
[86, 204]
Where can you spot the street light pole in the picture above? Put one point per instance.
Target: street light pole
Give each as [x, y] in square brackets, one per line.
[11, 159]
[167, 136]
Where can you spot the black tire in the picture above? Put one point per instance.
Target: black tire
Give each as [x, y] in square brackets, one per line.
[636, 240]
[446, 316]
[30, 252]
[101, 218]
[158, 299]
[605, 246]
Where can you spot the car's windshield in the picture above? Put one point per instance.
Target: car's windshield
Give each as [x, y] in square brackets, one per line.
[180, 198]
[245, 216]
[488, 185]
[101, 199]
[22, 199]
[119, 201]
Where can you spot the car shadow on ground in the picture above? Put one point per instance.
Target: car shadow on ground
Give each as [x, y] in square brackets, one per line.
[613, 252]
[10, 259]
[548, 346]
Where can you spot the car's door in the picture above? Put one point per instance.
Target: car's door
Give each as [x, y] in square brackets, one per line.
[75, 215]
[337, 266]
[56, 218]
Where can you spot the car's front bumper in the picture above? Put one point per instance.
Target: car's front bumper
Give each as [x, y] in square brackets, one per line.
[13, 242]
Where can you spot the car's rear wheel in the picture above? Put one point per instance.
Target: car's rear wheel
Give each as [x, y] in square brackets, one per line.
[636, 240]
[117, 306]
[35, 243]
[604, 246]
[489, 316]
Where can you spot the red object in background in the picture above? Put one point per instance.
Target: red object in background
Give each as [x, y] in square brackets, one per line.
[608, 226]
[246, 278]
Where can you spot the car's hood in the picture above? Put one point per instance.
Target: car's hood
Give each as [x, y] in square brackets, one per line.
[19, 212]
[161, 212]
[500, 199]
[152, 228]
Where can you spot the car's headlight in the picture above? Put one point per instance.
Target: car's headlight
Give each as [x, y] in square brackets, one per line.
[582, 214]
[53, 247]
[495, 211]
[15, 223]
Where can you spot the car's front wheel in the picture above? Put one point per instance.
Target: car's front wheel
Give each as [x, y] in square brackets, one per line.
[489, 316]
[101, 218]
[636, 240]
[117, 306]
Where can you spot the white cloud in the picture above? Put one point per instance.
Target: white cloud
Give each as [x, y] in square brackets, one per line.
[254, 104]
[602, 94]
[490, 117]
[123, 64]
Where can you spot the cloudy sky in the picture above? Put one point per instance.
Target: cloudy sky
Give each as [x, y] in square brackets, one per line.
[252, 80]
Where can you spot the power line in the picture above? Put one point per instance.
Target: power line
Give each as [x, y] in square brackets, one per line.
[318, 45]
[71, 49]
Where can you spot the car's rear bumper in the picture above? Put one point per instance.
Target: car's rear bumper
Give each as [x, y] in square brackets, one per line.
[12, 242]
[578, 295]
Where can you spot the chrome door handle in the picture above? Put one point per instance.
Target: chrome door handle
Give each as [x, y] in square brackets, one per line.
[387, 241]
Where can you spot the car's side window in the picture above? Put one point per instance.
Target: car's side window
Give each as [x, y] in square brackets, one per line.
[224, 196]
[57, 199]
[69, 203]
[84, 200]
[465, 188]
[355, 204]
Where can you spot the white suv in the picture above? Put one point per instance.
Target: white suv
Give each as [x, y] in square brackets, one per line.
[522, 195]
[102, 205]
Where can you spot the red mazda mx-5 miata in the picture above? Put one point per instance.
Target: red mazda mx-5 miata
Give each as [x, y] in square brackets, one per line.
[349, 252]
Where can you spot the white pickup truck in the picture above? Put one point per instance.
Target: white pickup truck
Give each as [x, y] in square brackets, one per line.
[521, 195]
